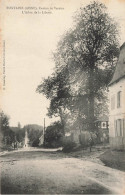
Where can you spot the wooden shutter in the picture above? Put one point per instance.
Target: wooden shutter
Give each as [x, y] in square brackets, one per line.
[123, 122]
[115, 124]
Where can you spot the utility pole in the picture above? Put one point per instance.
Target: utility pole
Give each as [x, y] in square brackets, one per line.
[44, 130]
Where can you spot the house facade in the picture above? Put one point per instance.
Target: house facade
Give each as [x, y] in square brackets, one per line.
[117, 104]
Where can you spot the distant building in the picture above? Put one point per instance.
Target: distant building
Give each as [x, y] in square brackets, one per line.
[102, 124]
[117, 104]
[41, 140]
[26, 140]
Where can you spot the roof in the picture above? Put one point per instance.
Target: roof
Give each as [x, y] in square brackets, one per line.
[120, 68]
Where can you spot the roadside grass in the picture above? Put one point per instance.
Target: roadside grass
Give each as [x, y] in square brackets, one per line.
[114, 159]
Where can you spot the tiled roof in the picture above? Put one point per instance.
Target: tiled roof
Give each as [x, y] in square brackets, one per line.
[120, 68]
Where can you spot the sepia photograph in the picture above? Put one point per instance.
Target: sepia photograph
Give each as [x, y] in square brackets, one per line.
[62, 97]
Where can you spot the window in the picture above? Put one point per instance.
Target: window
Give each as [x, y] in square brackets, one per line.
[124, 127]
[119, 99]
[113, 102]
[103, 125]
[118, 127]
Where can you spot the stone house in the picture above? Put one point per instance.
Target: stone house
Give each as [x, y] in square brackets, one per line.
[117, 104]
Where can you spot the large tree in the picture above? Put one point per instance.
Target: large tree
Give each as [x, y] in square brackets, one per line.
[85, 60]
[90, 48]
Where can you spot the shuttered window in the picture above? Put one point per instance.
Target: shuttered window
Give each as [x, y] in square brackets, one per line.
[119, 99]
[115, 124]
[119, 127]
[113, 102]
[123, 127]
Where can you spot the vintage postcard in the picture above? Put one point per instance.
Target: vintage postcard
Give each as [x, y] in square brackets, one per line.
[62, 96]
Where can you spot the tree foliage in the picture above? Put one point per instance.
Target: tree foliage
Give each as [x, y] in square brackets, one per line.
[7, 134]
[53, 135]
[85, 60]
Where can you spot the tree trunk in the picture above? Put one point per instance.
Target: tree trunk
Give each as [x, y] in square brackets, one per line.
[62, 119]
[91, 101]
[91, 113]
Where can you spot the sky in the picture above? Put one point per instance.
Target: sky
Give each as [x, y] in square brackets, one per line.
[30, 40]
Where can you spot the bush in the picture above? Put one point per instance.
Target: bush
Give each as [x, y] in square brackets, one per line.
[53, 135]
[68, 146]
[35, 143]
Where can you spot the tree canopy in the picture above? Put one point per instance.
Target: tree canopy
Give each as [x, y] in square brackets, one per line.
[6, 133]
[84, 62]
[53, 135]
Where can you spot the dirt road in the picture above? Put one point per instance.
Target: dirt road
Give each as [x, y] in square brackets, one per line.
[38, 172]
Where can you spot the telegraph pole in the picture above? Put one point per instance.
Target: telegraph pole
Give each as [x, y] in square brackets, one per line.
[44, 130]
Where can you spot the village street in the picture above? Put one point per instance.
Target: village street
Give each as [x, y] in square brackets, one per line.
[51, 172]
